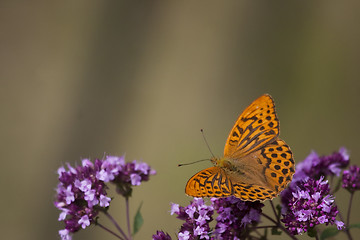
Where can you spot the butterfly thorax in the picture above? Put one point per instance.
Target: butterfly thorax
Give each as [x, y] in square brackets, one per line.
[223, 163]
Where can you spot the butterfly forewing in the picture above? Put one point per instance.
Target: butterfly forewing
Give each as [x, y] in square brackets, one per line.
[255, 127]
[210, 182]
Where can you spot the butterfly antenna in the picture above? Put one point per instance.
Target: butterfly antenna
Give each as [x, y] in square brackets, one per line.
[207, 144]
[184, 164]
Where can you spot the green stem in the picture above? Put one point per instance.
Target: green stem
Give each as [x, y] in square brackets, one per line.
[316, 236]
[116, 224]
[109, 231]
[280, 226]
[346, 229]
[269, 226]
[273, 208]
[128, 217]
[349, 210]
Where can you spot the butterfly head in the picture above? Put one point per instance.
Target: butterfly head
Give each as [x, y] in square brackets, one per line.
[221, 162]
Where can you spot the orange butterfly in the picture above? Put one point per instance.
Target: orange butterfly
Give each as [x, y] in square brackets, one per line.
[257, 165]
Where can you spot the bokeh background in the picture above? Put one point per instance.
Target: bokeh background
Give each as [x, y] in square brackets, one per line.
[84, 78]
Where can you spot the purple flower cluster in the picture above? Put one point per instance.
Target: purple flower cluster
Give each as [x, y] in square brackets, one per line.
[197, 216]
[81, 192]
[234, 215]
[310, 205]
[124, 175]
[315, 166]
[160, 235]
[351, 178]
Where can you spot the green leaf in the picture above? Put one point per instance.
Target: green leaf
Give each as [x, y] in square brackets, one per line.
[311, 232]
[138, 220]
[275, 231]
[329, 232]
[355, 225]
[265, 235]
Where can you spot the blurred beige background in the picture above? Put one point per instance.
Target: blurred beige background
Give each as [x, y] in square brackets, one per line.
[80, 78]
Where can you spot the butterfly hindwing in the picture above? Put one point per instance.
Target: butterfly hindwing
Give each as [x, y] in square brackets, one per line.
[210, 182]
[255, 127]
[252, 192]
[278, 164]
[262, 174]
